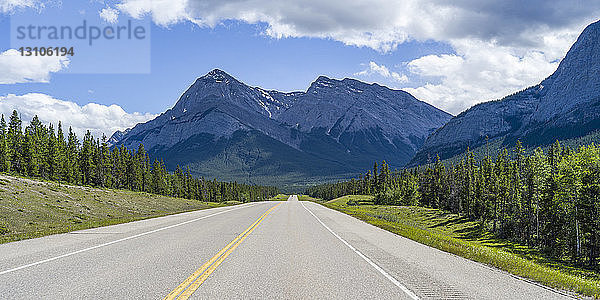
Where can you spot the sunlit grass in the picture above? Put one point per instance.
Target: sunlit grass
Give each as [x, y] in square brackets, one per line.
[280, 197]
[305, 198]
[461, 236]
[30, 209]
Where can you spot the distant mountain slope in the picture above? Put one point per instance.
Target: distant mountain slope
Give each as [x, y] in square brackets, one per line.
[223, 128]
[217, 105]
[364, 118]
[563, 106]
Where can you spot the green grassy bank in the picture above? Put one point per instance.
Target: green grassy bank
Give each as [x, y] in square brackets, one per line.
[30, 209]
[458, 235]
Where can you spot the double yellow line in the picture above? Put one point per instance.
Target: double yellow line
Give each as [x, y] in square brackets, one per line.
[192, 283]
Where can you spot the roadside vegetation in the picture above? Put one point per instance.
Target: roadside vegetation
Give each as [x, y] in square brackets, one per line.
[467, 238]
[30, 208]
[546, 200]
[280, 197]
[284, 197]
[306, 198]
[40, 151]
[51, 182]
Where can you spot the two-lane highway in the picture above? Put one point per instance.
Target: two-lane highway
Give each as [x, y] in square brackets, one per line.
[282, 250]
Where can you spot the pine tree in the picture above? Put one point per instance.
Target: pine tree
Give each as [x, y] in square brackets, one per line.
[86, 159]
[29, 156]
[72, 158]
[14, 140]
[51, 157]
[38, 152]
[62, 163]
[4, 154]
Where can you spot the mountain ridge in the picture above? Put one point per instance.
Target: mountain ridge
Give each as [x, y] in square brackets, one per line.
[564, 105]
[339, 126]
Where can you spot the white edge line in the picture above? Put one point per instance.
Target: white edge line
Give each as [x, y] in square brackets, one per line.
[374, 265]
[119, 240]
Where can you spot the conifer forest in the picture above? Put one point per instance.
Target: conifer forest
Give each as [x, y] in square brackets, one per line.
[547, 199]
[43, 152]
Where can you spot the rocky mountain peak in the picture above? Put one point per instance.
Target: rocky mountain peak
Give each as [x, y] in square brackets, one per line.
[216, 78]
[322, 82]
[591, 30]
[341, 125]
[217, 75]
[563, 106]
[117, 136]
[325, 85]
[577, 79]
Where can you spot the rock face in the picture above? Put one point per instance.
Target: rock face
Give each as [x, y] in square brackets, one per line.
[354, 113]
[223, 128]
[565, 105]
[117, 136]
[217, 105]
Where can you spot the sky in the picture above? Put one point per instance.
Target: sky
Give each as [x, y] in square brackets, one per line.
[451, 54]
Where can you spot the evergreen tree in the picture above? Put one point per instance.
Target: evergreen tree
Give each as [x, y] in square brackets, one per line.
[14, 141]
[73, 174]
[39, 152]
[62, 163]
[549, 200]
[51, 156]
[4, 154]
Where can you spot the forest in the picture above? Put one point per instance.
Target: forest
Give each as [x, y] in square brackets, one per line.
[548, 199]
[40, 152]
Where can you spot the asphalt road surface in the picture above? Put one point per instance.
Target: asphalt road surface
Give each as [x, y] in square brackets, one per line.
[265, 250]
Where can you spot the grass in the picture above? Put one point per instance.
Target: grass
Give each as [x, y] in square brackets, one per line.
[284, 197]
[30, 209]
[461, 236]
[280, 197]
[306, 198]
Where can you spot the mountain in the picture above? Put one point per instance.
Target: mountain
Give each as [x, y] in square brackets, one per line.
[221, 127]
[117, 136]
[565, 105]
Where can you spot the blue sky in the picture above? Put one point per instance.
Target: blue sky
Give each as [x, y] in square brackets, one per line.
[183, 52]
[449, 56]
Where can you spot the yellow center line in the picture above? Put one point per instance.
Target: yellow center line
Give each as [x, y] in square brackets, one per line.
[193, 282]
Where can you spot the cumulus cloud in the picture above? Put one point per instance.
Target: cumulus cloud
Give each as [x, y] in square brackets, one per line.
[478, 72]
[109, 15]
[99, 119]
[163, 12]
[359, 23]
[380, 24]
[383, 71]
[500, 46]
[8, 6]
[15, 68]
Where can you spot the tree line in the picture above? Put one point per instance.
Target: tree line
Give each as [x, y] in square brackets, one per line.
[546, 199]
[40, 152]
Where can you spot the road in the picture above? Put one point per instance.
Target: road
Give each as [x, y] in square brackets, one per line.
[264, 250]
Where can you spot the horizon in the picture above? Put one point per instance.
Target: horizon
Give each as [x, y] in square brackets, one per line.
[363, 149]
[122, 83]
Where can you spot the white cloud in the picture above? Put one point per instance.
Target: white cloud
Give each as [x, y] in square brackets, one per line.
[110, 15]
[478, 72]
[381, 70]
[97, 118]
[8, 6]
[499, 46]
[359, 23]
[15, 68]
[380, 24]
[163, 12]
